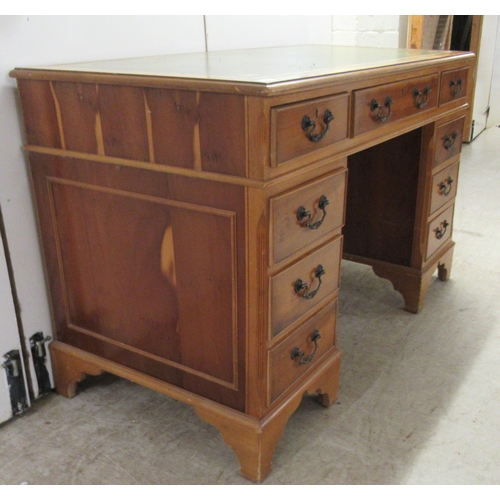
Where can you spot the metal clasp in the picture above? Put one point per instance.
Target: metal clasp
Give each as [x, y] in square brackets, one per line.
[37, 343]
[39, 353]
[11, 364]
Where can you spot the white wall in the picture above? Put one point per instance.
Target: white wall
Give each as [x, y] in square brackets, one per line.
[38, 40]
[484, 73]
[366, 31]
[240, 32]
[494, 116]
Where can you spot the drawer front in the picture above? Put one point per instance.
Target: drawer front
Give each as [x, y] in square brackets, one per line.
[376, 106]
[439, 231]
[305, 214]
[449, 140]
[307, 126]
[304, 285]
[453, 85]
[301, 351]
[444, 187]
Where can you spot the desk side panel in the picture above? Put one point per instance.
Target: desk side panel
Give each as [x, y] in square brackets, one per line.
[147, 269]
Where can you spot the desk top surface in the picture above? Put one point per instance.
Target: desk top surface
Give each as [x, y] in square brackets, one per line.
[265, 66]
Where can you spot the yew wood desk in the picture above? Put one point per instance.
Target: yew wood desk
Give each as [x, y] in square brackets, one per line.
[194, 210]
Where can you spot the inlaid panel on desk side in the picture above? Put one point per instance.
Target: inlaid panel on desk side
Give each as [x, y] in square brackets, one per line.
[147, 269]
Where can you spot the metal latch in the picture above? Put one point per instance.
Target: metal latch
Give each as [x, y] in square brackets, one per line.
[15, 380]
[11, 364]
[39, 353]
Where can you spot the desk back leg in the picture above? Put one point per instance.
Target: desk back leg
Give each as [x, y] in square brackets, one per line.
[413, 284]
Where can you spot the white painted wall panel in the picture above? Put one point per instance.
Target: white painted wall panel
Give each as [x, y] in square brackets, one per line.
[243, 32]
[494, 116]
[484, 74]
[366, 31]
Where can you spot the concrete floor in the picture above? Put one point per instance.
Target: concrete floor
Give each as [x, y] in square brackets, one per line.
[419, 400]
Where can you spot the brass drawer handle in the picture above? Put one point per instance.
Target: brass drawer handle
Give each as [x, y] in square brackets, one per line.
[302, 213]
[300, 286]
[374, 105]
[417, 96]
[299, 353]
[445, 186]
[449, 140]
[456, 86]
[440, 231]
[309, 125]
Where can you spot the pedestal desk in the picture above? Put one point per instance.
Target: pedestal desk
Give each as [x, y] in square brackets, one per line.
[194, 210]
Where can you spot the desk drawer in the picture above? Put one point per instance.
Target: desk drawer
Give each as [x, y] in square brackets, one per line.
[444, 187]
[301, 351]
[439, 231]
[376, 106]
[303, 215]
[449, 140]
[307, 126]
[453, 85]
[304, 285]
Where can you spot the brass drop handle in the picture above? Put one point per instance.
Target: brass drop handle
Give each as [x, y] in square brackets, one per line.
[449, 140]
[302, 213]
[456, 86]
[417, 96]
[301, 287]
[445, 186]
[440, 231]
[374, 106]
[299, 353]
[309, 125]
